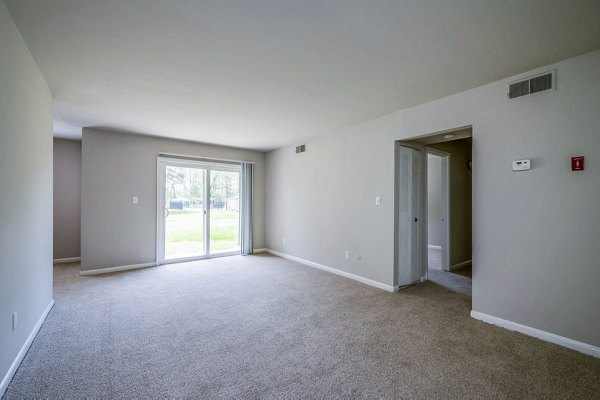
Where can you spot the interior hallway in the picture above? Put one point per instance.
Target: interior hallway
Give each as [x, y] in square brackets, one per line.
[460, 280]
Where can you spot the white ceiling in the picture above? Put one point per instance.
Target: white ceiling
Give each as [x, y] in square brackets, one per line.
[265, 73]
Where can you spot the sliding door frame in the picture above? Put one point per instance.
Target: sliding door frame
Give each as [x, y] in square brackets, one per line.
[161, 165]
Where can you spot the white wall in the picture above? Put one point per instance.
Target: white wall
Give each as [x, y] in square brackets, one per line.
[67, 198]
[25, 192]
[535, 233]
[117, 166]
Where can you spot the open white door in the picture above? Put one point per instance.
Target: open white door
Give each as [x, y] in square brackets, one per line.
[409, 202]
[443, 191]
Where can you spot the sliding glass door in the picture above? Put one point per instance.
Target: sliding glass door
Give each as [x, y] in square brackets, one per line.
[198, 210]
[185, 221]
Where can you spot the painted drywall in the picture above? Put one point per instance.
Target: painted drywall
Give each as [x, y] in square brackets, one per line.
[117, 166]
[460, 199]
[25, 194]
[535, 233]
[67, 198]
[434, 200]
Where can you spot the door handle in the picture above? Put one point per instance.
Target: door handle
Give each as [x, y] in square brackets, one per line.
[166, 212]
[416, 219]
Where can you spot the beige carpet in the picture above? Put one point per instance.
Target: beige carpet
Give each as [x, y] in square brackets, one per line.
[264, 327]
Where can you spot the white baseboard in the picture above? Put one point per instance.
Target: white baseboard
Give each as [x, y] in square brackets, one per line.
[67, 260]
[260, 251]
[461, 265]
[543, 335]
[116, 269]
[434, 247]
[17, 361]
[335, 271]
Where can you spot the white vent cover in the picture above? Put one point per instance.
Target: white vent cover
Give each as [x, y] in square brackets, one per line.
[536, 84]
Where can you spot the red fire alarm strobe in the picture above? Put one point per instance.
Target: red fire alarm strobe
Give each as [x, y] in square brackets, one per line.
[577, 163]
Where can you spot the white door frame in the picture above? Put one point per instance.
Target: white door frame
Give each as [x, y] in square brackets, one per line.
[424, 229]
[445, 199]
[161, 164]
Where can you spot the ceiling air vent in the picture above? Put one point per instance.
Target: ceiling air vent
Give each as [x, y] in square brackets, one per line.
[539, 83]
[300, 149]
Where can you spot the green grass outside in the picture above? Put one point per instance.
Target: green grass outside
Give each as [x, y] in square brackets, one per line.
[184, 232]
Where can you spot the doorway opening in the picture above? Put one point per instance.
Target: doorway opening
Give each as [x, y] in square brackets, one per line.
[449, 214]
[442, 219]
[198, 210]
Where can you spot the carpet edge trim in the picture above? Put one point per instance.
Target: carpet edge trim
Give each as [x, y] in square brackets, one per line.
[116, 269]
[460, 265]
[572, 344]
[335, 271]
[24, 349]
[66, 260]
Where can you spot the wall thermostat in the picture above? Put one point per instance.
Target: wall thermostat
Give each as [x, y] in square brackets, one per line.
[521, 165]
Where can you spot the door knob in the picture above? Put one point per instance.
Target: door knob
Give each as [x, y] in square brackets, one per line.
[416, 219]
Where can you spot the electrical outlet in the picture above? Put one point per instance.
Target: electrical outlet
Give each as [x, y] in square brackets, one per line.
[347, 255]
[134, 200]
[14, 321]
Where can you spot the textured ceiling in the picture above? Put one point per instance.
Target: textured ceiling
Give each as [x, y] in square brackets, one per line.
[262, 74]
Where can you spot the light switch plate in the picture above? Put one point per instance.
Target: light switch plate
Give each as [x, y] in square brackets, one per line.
[134, 200]
[378, 200]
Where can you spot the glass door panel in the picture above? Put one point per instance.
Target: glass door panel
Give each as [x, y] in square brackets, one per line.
[224, 211]
[185, 212]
